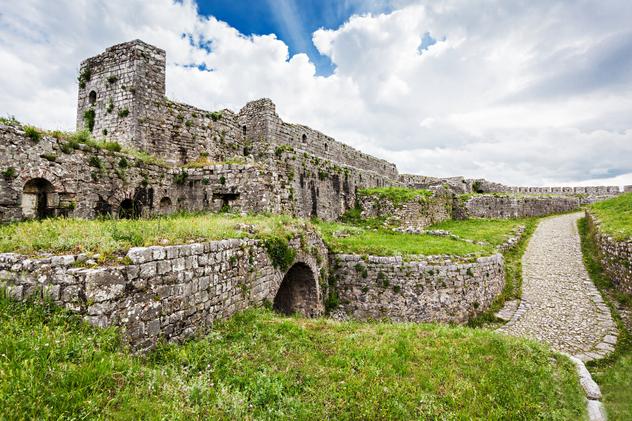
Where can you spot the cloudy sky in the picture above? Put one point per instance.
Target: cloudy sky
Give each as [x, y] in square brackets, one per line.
[526, 92]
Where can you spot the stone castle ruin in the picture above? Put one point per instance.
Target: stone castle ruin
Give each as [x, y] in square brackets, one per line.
[153, 156]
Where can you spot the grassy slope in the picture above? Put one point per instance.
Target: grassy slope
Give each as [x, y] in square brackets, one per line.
[615, 215]
[261, 366]
[367, 238]
[108, 237]
[613, 374]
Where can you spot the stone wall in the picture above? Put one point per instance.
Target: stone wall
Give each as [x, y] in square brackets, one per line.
[413, 214]
[426, 289]
[88, 182]
[512, 206]
[260, 120]
[615, 255]
[172, 292]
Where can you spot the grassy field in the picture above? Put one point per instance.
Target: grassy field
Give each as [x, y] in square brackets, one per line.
[370, 238]
[258, 365]
[615, 215]
[115, 236]
[613, 374]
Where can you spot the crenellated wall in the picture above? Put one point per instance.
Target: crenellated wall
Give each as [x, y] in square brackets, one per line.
[512, 206]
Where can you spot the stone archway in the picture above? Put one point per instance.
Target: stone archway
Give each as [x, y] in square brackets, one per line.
[298, 293]
[38, 199]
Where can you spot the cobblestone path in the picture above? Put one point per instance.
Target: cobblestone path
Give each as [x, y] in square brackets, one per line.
[560, 304]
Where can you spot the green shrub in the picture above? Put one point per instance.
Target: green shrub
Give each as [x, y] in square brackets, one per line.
[112, 79]
[110, 106]
[123, 163]
[111, 146]
[181, 177]
[9, 173]
[95, 161]
[49, 157]
[216, 115]
[32, 133]
[88, 119]
[9, 121]
[280, 252]
[222, 180]
[84, 76]
[123, 113]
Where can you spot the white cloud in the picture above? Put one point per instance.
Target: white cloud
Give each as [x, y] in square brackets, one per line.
[523, 94]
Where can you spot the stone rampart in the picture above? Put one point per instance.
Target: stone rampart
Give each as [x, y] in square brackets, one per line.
[615, 255]
[512, 206]
[426, 289]
[84, 181]
[172, 292]
[412, 214]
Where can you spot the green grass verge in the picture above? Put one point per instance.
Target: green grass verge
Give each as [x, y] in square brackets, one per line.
[513, 277]
[397, 195]
[614, 373]
[370, 237]
[258, 365]
[615, 215]
[112, 237]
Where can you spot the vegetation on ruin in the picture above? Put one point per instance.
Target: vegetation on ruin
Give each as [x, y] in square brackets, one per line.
[396, 195]
[513, 277]
[113, 237]
[33, 133]
[614, 373]
[258, 365]
[204, 161]
[371, 237]
[615, 215]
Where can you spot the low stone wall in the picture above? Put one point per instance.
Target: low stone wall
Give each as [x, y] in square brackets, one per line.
[413, 214]
[615, 256]
[172, 292]
[501, 206]
[427, 289]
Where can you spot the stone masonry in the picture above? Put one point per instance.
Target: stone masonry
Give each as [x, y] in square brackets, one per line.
[615, 255]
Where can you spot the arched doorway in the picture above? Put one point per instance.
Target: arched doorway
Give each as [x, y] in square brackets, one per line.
[297, 293]
[37, 199]
[129, 209]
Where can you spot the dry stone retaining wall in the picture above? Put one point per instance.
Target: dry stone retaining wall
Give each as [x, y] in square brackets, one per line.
[166, 292]
[422, 290]
[615, 255]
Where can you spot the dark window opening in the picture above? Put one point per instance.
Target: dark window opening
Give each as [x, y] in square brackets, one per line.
[244, 129]
[304, 138]
[129, 209]
[92, 97]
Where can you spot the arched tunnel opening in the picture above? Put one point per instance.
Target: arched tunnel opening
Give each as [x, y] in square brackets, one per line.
[297, 293]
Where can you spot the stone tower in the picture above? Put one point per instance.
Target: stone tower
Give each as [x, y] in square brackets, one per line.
[119, 91]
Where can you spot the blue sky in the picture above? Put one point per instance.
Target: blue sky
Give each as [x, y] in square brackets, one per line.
[293, 21]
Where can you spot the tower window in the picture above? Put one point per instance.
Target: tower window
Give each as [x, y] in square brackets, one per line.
[92, 97]
[304, 138]
[244, 129]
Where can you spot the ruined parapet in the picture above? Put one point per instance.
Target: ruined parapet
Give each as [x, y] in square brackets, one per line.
[627, 189]
[260, 123]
